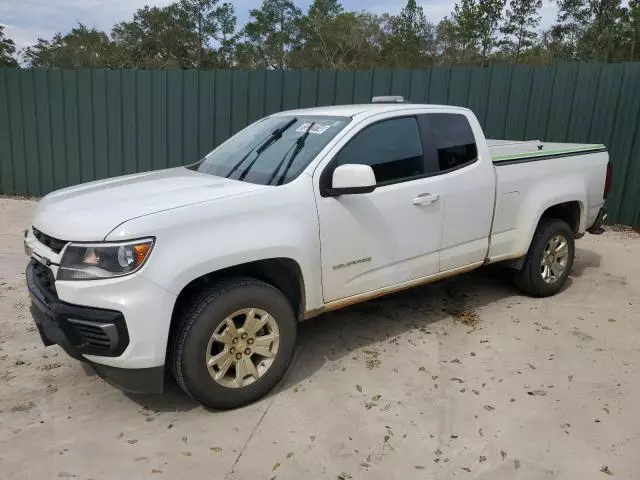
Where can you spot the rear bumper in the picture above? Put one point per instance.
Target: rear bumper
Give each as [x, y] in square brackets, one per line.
[82, 331]
[596, 228]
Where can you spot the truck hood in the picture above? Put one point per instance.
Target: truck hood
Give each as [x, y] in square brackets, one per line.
[88, 212]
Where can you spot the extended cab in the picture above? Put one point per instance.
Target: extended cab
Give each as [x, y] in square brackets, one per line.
[205, 270]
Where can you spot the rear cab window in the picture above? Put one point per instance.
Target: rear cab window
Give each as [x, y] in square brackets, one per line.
[453, 144]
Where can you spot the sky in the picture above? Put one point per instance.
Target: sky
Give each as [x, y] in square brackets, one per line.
[27, 20]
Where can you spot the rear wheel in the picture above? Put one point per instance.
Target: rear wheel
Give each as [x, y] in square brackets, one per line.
[549, 259]
[235, 344]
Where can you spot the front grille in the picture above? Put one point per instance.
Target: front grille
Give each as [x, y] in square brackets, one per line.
[95, 335]
[44, 280]
[53, 243]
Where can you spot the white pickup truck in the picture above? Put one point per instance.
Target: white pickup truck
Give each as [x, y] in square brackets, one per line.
[205, 270]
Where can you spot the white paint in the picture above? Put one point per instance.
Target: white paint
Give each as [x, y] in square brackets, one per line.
[349, 176]
[393, 236]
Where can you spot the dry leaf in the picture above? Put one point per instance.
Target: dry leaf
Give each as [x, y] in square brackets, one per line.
[376, 397]
[419, 467]
[276, 466]
[132, 441]
[359, 388]
[186, 454]
[344, 476]
[215, 449]
[290, 454]
[466, 469]
[540, 393]
[503, 454]
[482, 458]
[312, 438]
[155, 470]
[489, 408]
[605, 469]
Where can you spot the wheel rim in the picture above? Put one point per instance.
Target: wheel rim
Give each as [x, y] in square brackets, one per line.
[554, 259]
[242, 348]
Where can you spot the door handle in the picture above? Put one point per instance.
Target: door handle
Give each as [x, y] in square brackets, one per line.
[426, 199]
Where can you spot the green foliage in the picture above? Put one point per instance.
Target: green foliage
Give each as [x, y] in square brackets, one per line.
[410, 40]
[158, 38]
[7, 50]
[330, 38]
[586, 29]
[80, 48]
[269, 37]
[519, 27]
[202, 34]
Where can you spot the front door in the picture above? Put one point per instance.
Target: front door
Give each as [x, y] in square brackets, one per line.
[391, 235]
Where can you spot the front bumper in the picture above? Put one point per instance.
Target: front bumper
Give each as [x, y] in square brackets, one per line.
[596, 228]
[93, 335]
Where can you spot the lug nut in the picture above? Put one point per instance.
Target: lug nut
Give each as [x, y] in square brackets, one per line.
[232, 350]
[235, 340]
[243, 336]
[247, 351]
[250, 341]
[238, 356]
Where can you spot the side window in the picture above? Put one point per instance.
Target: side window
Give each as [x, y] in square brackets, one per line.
[391, 147]
[453, 139]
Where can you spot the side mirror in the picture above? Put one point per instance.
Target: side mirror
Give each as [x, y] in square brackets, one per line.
[351, 179]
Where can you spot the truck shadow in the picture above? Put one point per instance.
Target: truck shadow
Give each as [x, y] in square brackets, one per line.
[332, 336]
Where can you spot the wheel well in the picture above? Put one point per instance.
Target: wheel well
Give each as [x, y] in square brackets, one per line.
[283, 273]
[567, 211]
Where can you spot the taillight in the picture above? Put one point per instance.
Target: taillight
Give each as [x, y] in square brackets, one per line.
[608, 180]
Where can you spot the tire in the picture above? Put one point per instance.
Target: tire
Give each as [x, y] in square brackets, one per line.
[193, 343]
[530, 278]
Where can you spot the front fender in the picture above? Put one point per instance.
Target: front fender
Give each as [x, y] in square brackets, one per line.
[278, 222]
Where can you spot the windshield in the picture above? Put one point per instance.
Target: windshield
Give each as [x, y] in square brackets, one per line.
[273, 150]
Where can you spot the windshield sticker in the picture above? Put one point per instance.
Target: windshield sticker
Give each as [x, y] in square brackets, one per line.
[317, 129]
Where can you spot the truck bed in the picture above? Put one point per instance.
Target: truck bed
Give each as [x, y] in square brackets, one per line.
[505, 152]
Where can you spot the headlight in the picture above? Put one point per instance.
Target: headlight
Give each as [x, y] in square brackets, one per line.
[92, 261]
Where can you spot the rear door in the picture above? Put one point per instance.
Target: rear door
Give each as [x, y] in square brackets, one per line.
[464, 174]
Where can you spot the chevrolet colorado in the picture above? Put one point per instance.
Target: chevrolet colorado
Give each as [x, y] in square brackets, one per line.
[205, 270]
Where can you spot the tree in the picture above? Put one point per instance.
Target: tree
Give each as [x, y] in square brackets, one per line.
[477, 22]
[80, 48]
[158, 38]
[490, 13]
[345, 40]
[519, 27]
[449, 44]
[269, 37]
[586, 29]
[411, 38]
[214, 25]
[7, 50]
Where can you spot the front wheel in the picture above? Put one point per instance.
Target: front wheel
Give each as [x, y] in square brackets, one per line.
[549, 259]
[235, 344]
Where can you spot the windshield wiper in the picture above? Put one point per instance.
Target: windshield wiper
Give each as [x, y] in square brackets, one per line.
[274, 137]
[299, 146]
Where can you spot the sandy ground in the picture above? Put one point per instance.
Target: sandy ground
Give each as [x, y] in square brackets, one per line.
[464, 379]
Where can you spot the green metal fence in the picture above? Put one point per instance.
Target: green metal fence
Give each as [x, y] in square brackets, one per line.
[60, 128]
